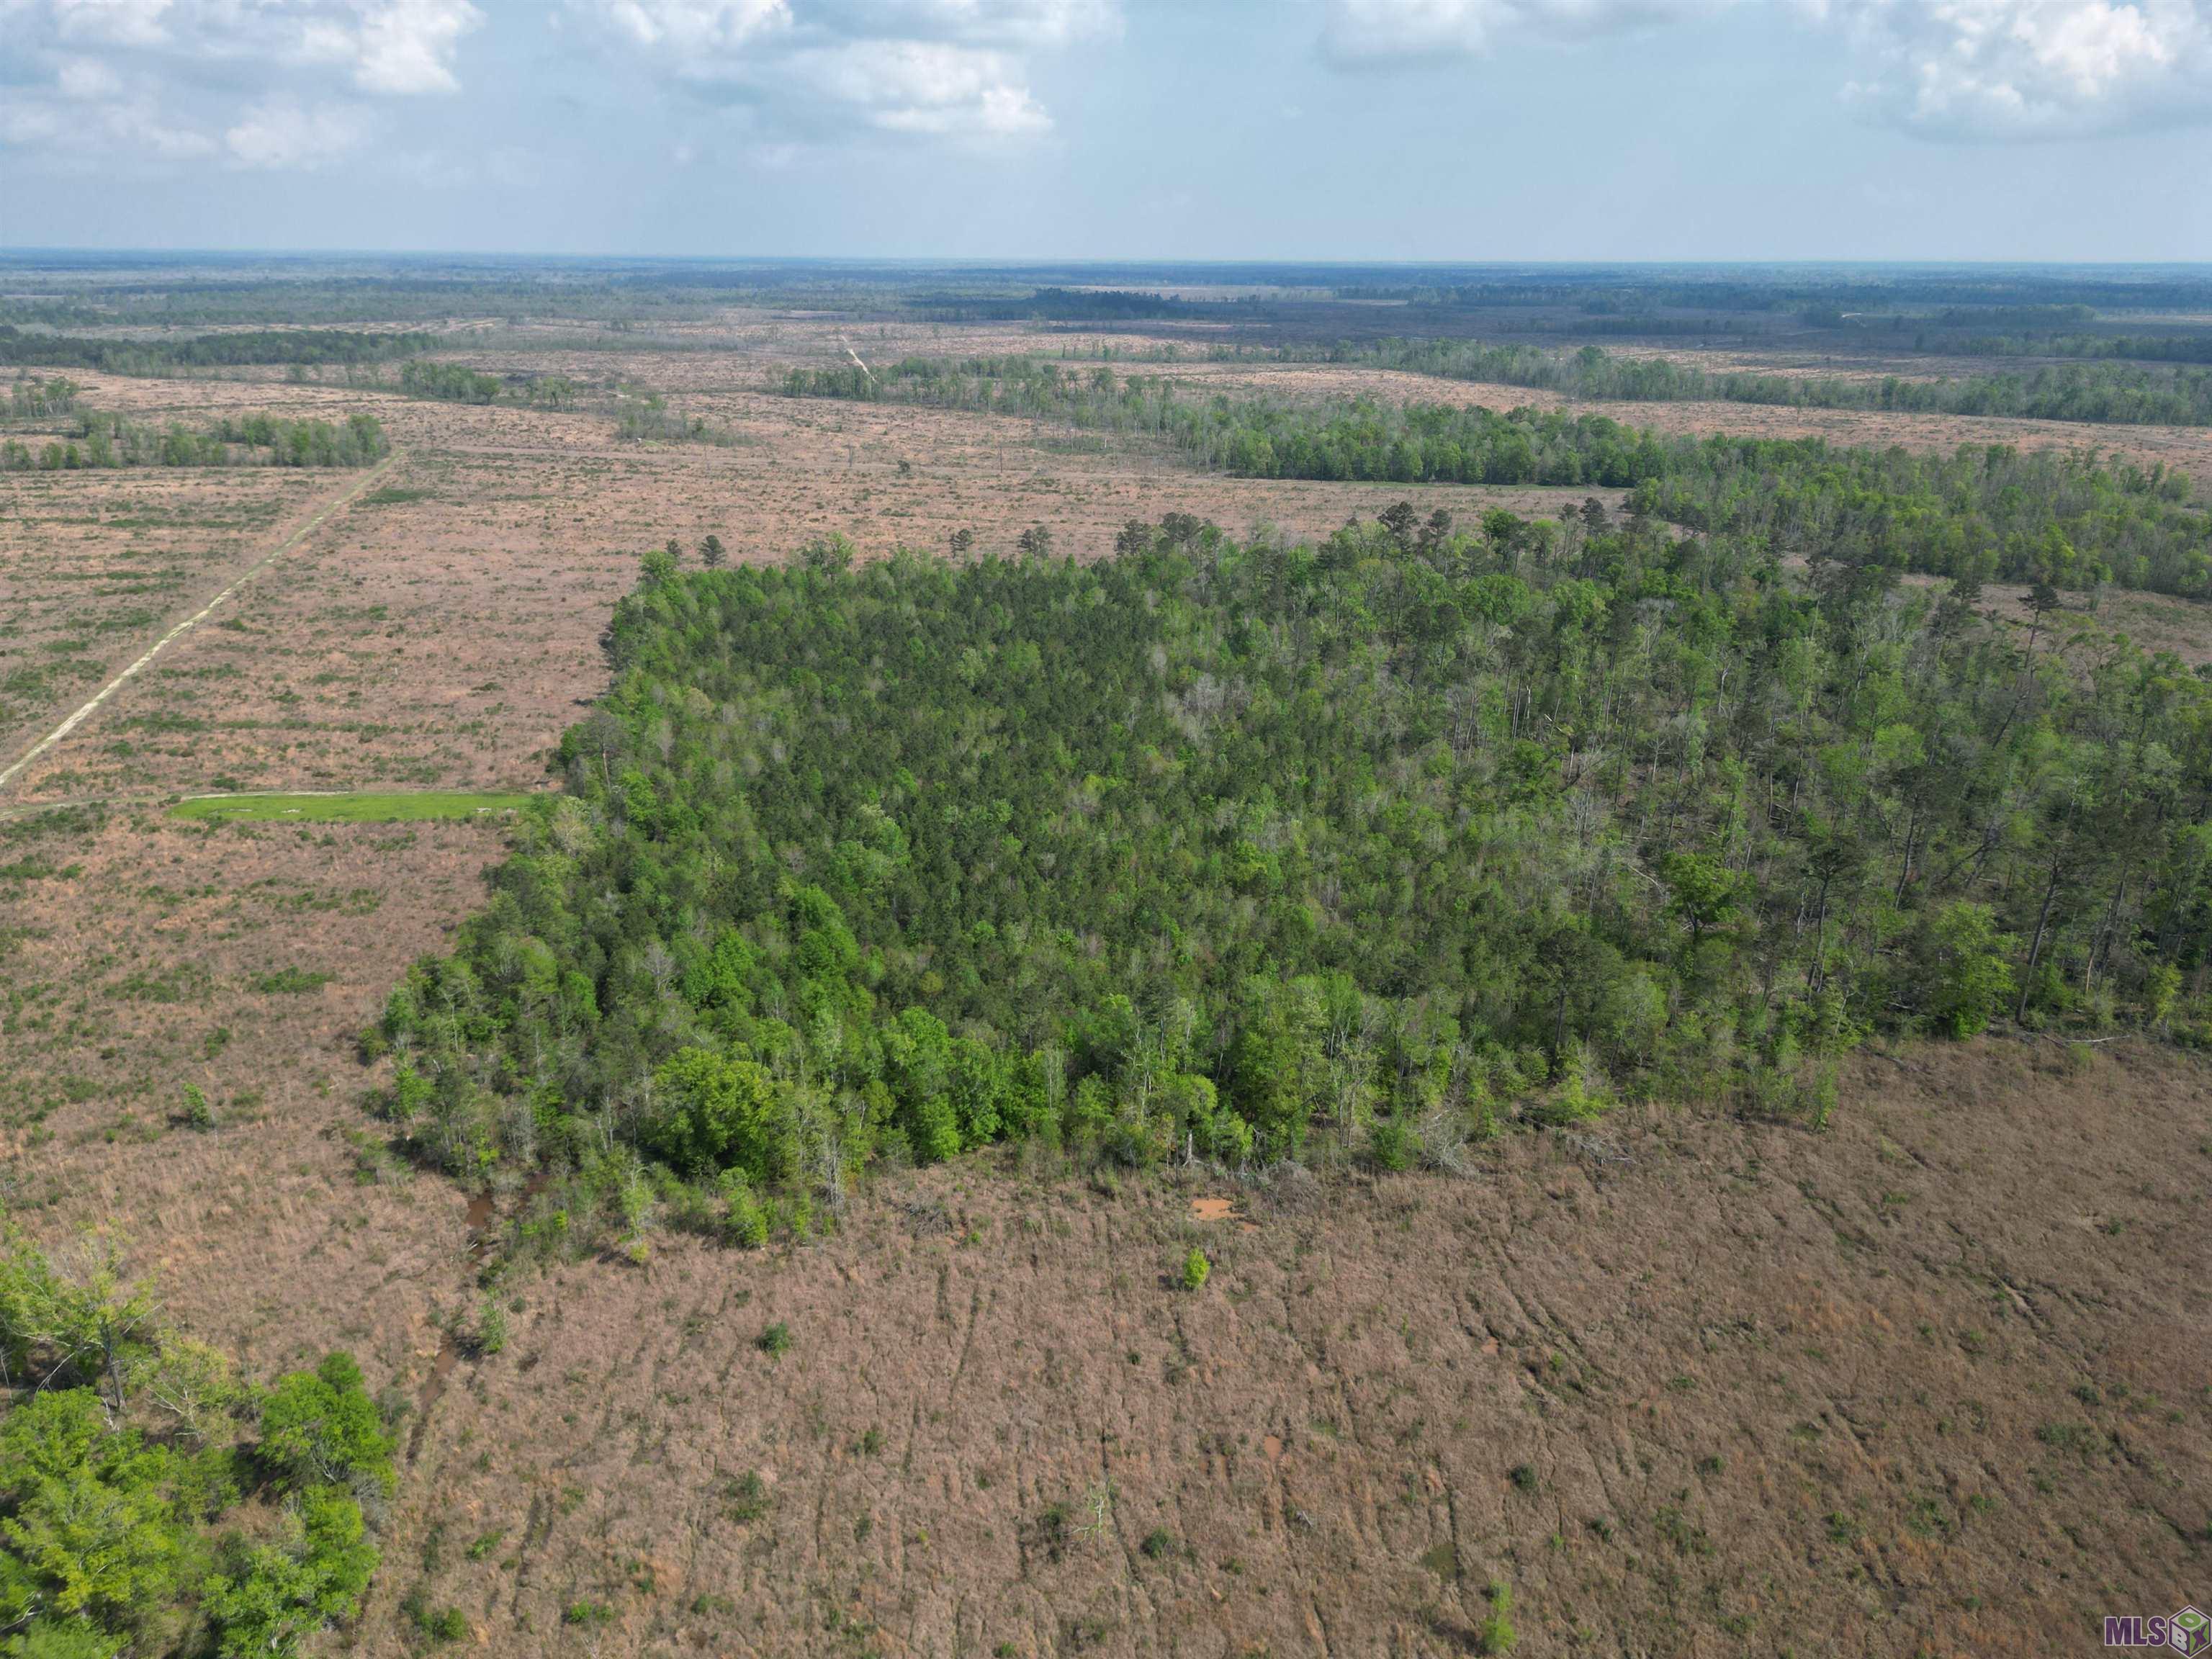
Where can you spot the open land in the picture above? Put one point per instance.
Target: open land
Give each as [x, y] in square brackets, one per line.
[1931, 1381]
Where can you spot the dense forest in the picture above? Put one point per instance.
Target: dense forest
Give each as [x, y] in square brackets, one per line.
[97, 439]
[1242, 853]
[1982, 513]
[152, 1502]
[303, 346]
[2010, 296]
[2177, 348]
[1050, 304]
[2066, 392]
[84, 291]
[303, 294]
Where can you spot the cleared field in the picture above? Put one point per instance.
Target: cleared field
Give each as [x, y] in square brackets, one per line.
[1683, 1388]
[95, 567]
[442, 629]
[1928, 1382]
[388, 808]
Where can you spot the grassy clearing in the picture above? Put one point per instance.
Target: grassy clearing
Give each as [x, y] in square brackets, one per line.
[360, 807]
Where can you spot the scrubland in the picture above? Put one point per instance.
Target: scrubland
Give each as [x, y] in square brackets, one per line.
[1931, 1380]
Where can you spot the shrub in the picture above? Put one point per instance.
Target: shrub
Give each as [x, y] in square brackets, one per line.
[745, 1218]
[1391, 1144]
[198, 1114]
[290, 982]
[1967, 973]
[1496, 1633]
[320, 1428]
[435, 1624]
[745, 1499]
[50, 1638]
[271, 1595]
[1584, 1092]
[1196, 1269]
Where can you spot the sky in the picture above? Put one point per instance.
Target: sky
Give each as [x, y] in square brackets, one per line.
[1454, 130]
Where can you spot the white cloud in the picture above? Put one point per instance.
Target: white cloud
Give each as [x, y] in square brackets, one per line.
[1364, 34]
[408, 47]
[685, 27]
[1018, 23]
[380, 46]
[1987, 70]
[269, 83]
[87, 80]
[2028, 68]
[917, 85]
[283, 134]
[812, 72]
[101, 22]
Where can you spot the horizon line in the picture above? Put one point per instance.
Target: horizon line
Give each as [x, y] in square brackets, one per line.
[1049, 261]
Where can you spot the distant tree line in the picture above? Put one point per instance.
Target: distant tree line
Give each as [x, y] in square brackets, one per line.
[99, 440]
[1641, 326]
[1067, 305]
[456, 383]
[32, 398]
[1588, 299]
[2067, 392]
[1242, 853]
[648, 419]
[1982, 513]
[640, 414]
[2017, 319]
[2027, 331]
[303, 346]
[2191, 347]
[316, 300]
[452, 383]
[2008, 300]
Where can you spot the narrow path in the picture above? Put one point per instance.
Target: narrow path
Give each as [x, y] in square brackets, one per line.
[275, 553]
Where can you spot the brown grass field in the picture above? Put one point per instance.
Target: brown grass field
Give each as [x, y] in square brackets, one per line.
[1933, 1382]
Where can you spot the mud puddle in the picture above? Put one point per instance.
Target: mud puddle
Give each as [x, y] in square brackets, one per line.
[1221, 1209]
[483, 1207]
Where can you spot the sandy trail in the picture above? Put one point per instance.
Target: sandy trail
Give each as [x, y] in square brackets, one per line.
[313, 522]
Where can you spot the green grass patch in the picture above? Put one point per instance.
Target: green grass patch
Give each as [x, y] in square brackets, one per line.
[364, 807]
[289, 982]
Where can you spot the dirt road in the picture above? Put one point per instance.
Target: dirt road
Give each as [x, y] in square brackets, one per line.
[314, 521]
